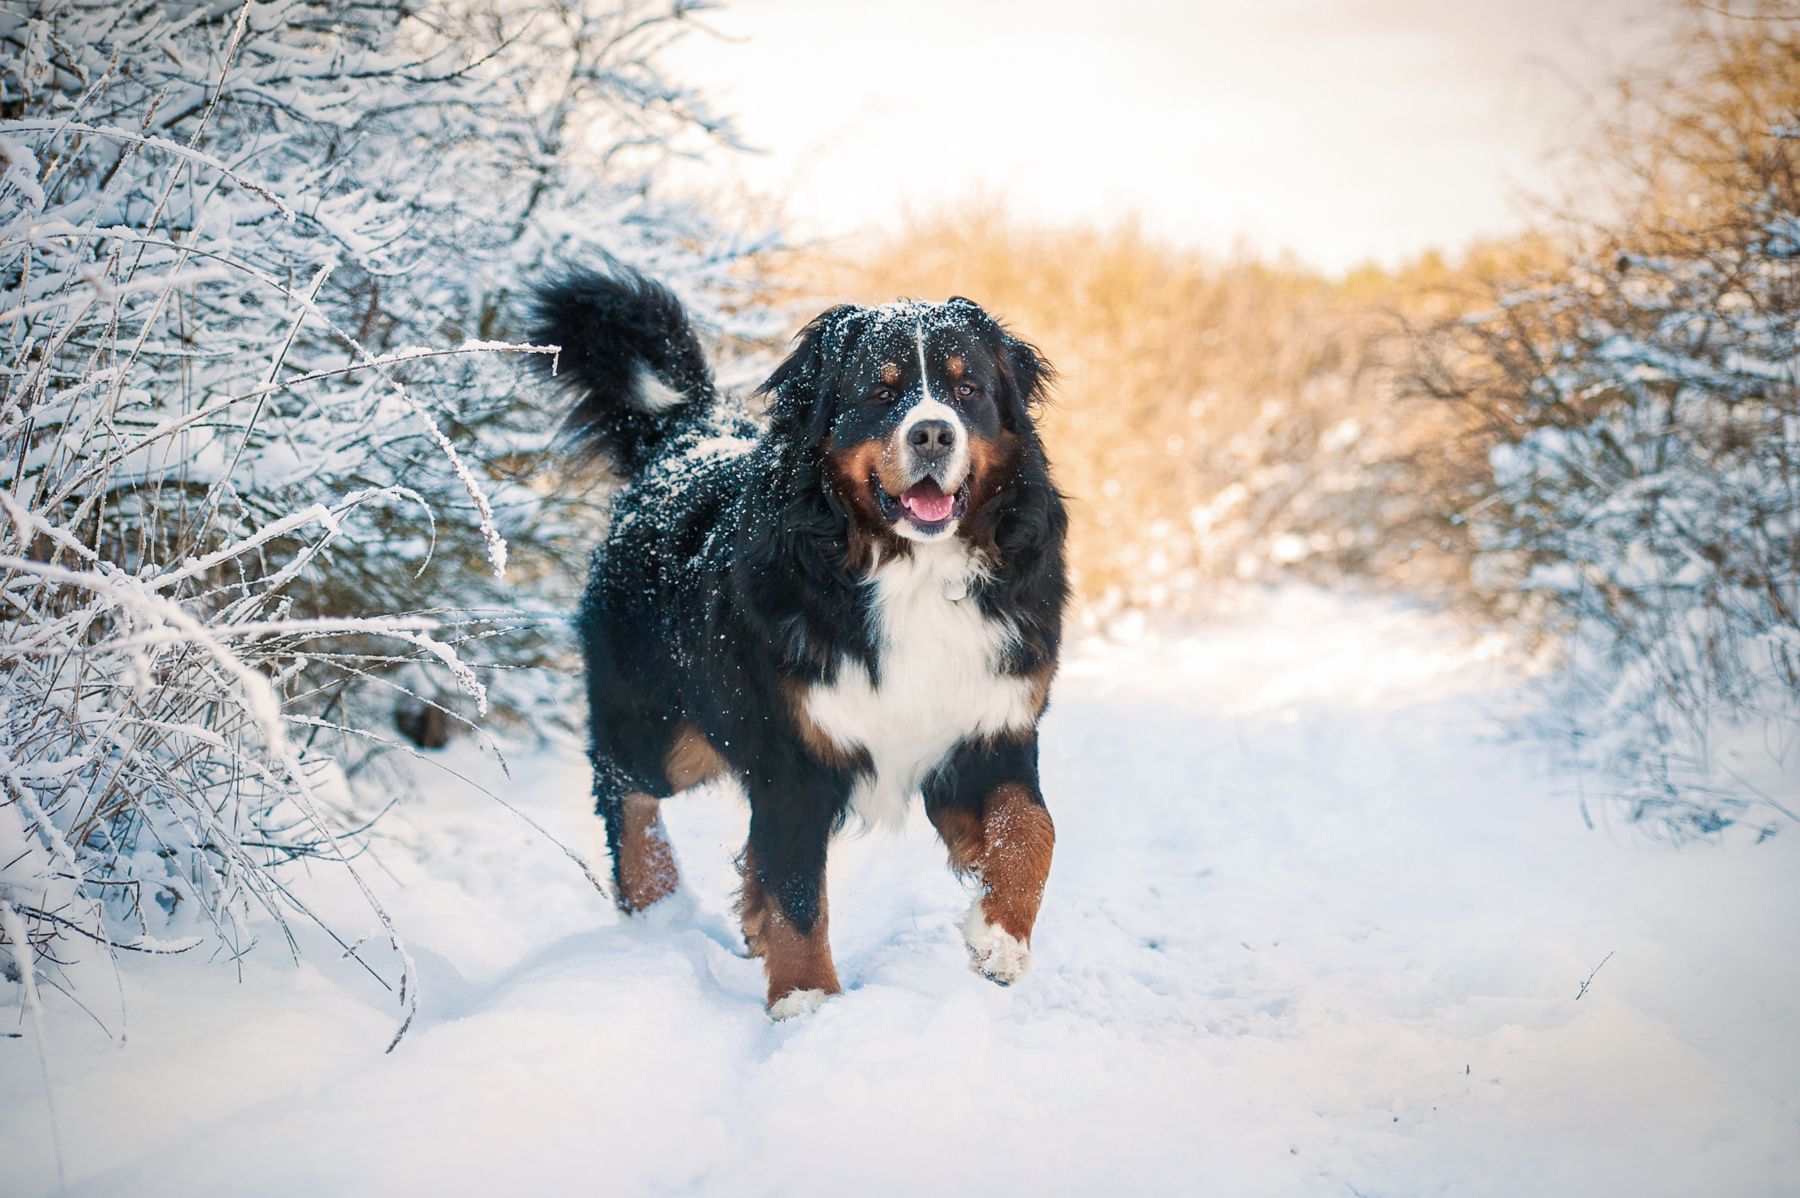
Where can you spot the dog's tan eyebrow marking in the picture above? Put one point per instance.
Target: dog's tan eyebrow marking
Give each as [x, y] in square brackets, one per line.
[953, 366]
[890, 373]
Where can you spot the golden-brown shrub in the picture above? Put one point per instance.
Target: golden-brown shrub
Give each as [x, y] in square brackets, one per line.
[1213, 419]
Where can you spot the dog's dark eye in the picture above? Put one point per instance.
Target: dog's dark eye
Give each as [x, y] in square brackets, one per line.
[964, 390]
[882, 395]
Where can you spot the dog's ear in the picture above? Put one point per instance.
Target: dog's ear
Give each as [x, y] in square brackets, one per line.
[799, 389]
[1025, 376]
[1025, 380]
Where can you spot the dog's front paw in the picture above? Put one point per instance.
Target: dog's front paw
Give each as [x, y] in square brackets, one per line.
[994, 952]
[797, 1002]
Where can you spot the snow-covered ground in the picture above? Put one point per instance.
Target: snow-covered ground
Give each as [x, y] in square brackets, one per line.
[1313, 928]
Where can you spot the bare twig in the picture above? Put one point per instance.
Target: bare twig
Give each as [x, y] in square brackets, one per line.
[1589, 980]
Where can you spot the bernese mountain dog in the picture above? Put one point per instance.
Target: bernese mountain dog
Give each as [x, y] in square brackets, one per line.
[852, 601]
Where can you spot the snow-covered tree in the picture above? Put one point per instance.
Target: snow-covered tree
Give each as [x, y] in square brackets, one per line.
[1643, 412]
[266, 462]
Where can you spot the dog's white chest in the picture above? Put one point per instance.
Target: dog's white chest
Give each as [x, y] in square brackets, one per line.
[939, 680]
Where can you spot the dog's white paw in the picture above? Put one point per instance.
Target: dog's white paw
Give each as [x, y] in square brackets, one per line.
[994, 952]
[797, 1002]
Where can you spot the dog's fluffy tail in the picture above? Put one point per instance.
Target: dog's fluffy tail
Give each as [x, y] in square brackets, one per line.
[629, 358]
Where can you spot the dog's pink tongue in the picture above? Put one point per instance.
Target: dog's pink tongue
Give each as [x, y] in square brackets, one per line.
[928, 504]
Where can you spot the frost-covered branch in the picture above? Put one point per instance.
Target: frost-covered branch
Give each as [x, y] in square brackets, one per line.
[1641, 403]
[266, 457]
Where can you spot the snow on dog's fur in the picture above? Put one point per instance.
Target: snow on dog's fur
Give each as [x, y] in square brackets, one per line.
[859, 603]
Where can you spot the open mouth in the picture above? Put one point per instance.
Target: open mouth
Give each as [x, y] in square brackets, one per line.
[924, 505]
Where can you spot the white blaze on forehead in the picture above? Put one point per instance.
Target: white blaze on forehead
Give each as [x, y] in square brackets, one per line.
[929, 408]
[924, 370]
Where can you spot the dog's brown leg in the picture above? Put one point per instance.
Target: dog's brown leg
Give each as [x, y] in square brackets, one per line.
[645, 870]
[1006, 845]
[799, 966]
[691, 759]
[643, 863]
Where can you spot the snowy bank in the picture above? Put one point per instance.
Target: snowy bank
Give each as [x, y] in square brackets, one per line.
[1314, 927]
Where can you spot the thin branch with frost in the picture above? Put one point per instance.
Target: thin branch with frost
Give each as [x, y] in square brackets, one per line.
[1589, 979]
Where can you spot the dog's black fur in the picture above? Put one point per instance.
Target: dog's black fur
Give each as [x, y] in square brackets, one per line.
[737, 569]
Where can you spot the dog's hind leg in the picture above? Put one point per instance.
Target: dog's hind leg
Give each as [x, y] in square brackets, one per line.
[643, 862]
[644, 870]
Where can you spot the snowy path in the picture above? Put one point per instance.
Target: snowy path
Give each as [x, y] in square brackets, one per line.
[1311, 930]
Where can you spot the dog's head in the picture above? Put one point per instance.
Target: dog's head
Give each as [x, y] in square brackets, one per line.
[919, 410]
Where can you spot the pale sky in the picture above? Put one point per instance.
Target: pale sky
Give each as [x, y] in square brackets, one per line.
[1366, 129]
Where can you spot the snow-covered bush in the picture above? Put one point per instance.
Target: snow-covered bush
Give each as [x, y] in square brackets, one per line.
[1643, 413]
[264, 461]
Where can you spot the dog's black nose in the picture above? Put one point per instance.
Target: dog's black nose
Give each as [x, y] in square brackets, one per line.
[932, 438]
